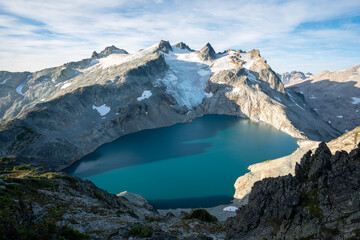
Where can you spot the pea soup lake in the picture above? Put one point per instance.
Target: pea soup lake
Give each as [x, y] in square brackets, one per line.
[186, 165]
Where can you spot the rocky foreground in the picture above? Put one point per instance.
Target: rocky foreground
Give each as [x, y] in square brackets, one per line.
[321, 201]
[35, 204]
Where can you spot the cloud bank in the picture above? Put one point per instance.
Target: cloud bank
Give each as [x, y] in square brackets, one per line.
[302, 35]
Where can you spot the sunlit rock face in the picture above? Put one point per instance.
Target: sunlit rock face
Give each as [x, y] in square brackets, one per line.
[334, 96]
[68, 111]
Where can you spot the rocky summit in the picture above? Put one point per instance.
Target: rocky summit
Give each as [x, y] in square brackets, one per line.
[321, 201]
[58, 115]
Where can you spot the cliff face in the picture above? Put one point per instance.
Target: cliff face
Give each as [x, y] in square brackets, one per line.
[322, 201]
[286, 165]
[66, 112]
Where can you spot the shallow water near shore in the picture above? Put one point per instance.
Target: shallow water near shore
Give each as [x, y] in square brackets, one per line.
[186, 165]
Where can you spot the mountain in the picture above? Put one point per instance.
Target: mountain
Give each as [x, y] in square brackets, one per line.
[334, 95]
[294, 76]
[57, 115]
[321, 201]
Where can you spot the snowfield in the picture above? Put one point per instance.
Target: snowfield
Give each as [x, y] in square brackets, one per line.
[146, 94]
[187, 77]
[355, 99]
[66, 85]
[230, 209]
[102, 110]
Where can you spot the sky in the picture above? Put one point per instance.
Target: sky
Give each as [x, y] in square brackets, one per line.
[308, 35]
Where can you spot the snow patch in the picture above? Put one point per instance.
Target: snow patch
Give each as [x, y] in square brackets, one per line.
[236, 90]
[355, 100]
[20, 87]
[251, 76]
[292, 99]
[230, 209]
[146, 94]
[249, 61]
[312, 97]
[329, 122]
[102, 110]
[223, 62]
[119, 58]
[278, 99]
[202, 72]
[66, 85]
[3, 82]
[208, 95]
[339, 116]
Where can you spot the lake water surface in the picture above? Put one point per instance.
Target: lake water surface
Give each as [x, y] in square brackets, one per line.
[186, 165]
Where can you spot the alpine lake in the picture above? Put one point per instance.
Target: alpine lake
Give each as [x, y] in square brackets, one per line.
[186, 165]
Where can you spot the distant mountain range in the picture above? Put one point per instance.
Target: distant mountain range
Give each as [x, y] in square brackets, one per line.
[334, 95]
[294, 76]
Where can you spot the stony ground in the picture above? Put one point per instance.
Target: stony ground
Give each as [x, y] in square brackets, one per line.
[321, 201]
[35, 204]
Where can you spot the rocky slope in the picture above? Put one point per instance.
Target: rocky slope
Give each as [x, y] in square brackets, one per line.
[322, 201]
[294, 76]
[68, 111]
[286, 165]
[35, 204]
[334, 95]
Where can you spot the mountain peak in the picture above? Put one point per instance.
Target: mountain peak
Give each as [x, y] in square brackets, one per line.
[207, 53]
[107, 51]
[182, 45]
[165, 46]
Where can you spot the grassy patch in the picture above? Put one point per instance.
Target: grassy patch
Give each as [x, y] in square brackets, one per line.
[139, 231]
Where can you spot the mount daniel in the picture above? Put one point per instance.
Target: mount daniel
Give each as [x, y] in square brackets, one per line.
[55, 116]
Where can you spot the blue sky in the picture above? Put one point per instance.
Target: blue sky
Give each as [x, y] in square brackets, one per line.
[292, 35]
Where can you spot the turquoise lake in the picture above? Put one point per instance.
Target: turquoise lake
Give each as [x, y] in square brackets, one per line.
[186, 165]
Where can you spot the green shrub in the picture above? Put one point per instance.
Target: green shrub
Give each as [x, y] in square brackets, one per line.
[22, 167]
[139, 231]
[202, 215]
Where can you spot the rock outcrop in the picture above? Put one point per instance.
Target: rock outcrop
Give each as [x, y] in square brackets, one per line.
[294, 76]
[107, 51]
[182, 45]
[207, 53]
[68, 111]
[286, 165]
[322, 201]
[334, 96]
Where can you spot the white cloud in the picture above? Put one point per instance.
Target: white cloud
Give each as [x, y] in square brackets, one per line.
[71, 30]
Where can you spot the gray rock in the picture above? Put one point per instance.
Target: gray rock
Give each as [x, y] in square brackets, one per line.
[207, 53]
[165, 46]
[182, 45]
[318, 203]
